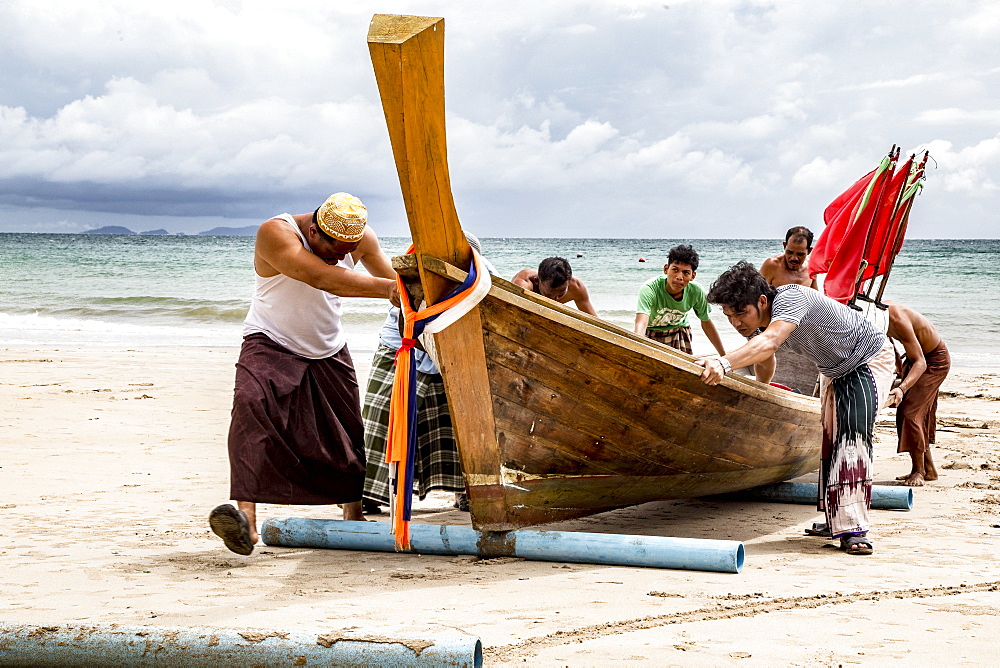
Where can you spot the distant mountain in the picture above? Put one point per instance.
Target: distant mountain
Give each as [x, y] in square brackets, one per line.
[160, 231]
[110, 229]
[248, 231]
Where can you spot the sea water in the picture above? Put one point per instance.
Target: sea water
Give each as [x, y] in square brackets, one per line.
[140, 291]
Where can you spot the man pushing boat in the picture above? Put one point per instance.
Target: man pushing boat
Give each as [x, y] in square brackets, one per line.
[792, 266]
[436, 463]
[856, 362]
[662, 310]
[296, 435]
[554, 279]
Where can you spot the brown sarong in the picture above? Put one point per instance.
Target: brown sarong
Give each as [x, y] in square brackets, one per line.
[679, 338]
[296, 435]
[916, 417]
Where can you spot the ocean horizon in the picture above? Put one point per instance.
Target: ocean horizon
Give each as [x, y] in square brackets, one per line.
[140, 291]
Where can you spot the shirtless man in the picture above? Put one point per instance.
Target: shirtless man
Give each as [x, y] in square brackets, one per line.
[927, 365]
[791, 266]
[554, 279]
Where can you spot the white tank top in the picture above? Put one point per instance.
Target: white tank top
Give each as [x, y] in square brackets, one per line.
[294, 314]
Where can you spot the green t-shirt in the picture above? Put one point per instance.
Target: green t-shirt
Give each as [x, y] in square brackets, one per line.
[666, 313]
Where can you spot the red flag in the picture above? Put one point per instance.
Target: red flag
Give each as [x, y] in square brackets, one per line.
[850, 230]
[837, 217]
[909, 178]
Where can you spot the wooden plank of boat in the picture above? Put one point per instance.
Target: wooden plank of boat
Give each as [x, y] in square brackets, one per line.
[408, 56]
[559, 414]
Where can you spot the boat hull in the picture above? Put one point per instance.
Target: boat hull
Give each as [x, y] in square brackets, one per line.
[587, 417]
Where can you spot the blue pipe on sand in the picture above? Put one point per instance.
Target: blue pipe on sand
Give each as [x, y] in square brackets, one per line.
[115, 645]
[695, 554]
[884, 497]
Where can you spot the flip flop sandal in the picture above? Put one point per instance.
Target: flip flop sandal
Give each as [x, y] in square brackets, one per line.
[232, 527]
[847, 543]
[370, 507]
[819, 529]
[462, 503]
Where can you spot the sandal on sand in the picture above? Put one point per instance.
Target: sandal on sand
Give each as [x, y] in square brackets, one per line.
[463, 502]
[232, 527]
[856, 544]
[819, 529]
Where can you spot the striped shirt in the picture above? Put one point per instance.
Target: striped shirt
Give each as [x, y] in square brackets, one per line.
[836, 336]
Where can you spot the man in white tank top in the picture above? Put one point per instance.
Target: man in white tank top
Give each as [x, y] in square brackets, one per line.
[296, 435]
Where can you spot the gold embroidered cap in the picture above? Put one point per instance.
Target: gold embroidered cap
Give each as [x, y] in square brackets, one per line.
[343, 217]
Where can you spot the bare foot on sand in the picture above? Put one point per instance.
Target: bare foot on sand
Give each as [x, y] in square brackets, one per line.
[922, 471]
[912, 480]
[930, 472]
[353, 512]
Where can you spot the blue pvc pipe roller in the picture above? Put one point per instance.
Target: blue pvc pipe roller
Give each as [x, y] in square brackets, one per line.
[695, 554]
[116, 645]
[884, 497]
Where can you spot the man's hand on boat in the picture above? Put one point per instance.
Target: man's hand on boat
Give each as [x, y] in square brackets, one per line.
[715, 369]
[394, 296]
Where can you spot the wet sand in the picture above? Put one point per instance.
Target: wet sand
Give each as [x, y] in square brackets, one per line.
[112, 460]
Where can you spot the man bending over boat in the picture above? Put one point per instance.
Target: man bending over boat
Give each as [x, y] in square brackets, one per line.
[554, 279]
[296, 435]
[790, 267]
[664, 303]
[436, 461]
[925, 368]
[856, 363]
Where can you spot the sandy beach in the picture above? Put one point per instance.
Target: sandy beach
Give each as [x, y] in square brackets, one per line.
[112, 459]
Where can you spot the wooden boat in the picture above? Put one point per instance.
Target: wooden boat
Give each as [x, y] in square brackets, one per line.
[559, 414]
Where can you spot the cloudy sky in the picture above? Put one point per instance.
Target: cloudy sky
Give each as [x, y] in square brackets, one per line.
[671, 119]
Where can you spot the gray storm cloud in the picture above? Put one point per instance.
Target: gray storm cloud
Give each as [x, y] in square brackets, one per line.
[735, 118]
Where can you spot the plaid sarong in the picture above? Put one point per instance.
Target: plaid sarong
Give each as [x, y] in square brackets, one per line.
[436, 463]
[679, 338]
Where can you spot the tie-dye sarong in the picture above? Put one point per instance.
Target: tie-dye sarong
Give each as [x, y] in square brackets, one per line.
[850, 405]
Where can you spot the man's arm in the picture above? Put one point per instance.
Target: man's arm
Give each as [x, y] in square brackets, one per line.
[582, 298]
[644, 308]
[758, 349]
[764, 371]
[902, 330]
[641, 320]
[522, 279]
[369, 253]
[712, 333]
[767, 269]
[281, 250]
